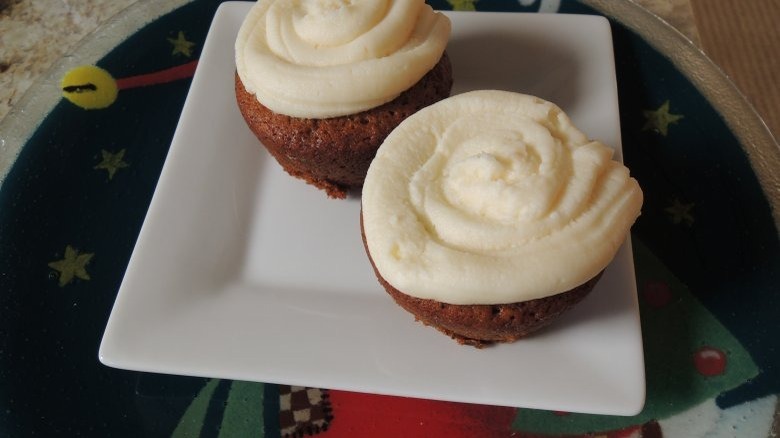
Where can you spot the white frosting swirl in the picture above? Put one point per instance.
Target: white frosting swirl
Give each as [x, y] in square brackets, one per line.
[494, 197]
[329, 58]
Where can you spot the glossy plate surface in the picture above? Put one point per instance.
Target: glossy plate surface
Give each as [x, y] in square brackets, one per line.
[243, 272]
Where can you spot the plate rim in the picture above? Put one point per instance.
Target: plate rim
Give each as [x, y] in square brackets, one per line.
[743, 120]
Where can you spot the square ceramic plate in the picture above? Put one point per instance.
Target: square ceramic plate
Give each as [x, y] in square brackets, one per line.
[243, 272]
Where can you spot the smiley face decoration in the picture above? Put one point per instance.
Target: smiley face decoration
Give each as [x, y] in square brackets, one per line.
[91, 87]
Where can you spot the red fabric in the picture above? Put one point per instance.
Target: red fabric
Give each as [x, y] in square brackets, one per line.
[356, 414]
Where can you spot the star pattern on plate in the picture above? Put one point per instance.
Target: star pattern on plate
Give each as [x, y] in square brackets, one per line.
[462, 5]
[73, 265]
[181, 45]
[660, 119]
[112, 162]
[680, 212]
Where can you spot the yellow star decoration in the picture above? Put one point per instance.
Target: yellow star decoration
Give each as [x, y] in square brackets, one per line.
[462, 5]
[680, 212]
[660, 119]
[112, 162]
[181, 45]
[73, 265]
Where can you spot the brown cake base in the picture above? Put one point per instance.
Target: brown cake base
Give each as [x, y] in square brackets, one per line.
[334, 154]
[480, 325]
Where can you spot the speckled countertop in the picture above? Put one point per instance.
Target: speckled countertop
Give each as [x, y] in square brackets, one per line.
[35, 34]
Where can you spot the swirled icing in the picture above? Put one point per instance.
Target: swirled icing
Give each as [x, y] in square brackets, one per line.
[328, 58]
[492, 197]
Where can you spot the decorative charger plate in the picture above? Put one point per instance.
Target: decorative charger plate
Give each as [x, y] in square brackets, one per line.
[77, 184]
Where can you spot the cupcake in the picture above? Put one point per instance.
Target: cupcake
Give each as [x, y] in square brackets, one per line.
[487, 215]
[321, 83]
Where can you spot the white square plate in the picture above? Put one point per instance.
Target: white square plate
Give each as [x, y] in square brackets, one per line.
[242, 272]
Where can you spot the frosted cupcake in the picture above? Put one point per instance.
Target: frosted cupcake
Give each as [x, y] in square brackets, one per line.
[322, 82]
[488, 215]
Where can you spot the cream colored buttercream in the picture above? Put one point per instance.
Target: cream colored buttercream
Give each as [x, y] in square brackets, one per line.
[329, 58]
[493, 197]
